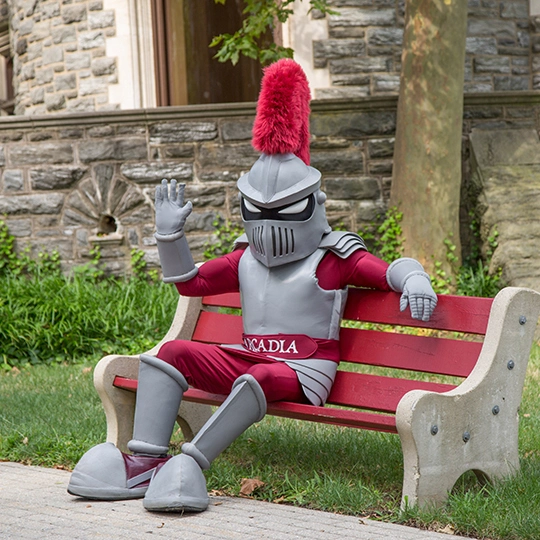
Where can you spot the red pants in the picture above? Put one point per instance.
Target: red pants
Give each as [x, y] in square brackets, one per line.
[214, 369]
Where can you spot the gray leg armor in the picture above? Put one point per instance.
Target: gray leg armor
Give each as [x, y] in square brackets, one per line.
[159, 392]
[104, 472]
[180, 485]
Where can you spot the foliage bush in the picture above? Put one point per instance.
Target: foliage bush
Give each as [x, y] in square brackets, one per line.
[259, 19]
[473, 278]
[50, 317]
[54, 318]
[223, 241]
[386, 241]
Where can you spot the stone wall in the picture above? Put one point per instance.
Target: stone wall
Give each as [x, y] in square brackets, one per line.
[363, 50]
[496, 113]
[535, 51]
[498, 46]
[61, 64]
[506, 170]
[69, 182]
[59, 55]
[4, 12]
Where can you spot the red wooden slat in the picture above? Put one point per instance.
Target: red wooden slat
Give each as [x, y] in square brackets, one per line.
[125, 383]
[299, 411]
[386, 349]
[403, 351]
[222, 300]
[454, 313]
[356, 390]
[374, 392]
[338, 417]
[218, 328]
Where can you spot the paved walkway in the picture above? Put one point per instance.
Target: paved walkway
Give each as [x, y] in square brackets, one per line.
[34, 504]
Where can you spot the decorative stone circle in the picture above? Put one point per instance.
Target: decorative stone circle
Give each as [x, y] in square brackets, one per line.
[103, 203]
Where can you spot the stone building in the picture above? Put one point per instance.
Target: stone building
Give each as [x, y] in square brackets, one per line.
[92, 55]
[103, 98]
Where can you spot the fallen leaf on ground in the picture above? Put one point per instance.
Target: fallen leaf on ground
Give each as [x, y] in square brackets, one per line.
[249, 485]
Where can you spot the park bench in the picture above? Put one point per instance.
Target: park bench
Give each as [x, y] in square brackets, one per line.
[468, 421]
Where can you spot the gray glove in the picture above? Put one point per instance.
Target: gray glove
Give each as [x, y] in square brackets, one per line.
[419, 295]
[171, 212]
[408, 277]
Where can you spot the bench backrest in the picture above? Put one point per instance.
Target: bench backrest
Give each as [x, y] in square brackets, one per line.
[379, 344]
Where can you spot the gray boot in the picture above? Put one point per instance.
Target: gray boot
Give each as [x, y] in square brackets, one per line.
[180, 485]
[160, 390]
[104, 472]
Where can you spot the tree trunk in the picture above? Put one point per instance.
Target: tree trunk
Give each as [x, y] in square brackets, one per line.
[427, 158]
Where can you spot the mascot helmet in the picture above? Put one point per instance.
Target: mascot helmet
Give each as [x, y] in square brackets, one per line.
[282, 205]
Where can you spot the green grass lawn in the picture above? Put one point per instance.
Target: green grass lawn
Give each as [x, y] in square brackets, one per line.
[50, 415]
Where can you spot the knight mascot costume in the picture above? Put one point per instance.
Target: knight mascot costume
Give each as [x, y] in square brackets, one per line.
[292, 272]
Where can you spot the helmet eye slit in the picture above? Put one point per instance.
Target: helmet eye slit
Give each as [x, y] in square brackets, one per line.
[299, 211]
[251, 207]
[295, 208]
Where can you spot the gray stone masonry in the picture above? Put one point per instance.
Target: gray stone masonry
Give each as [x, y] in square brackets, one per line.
[59, 57]
[60, 61]
[363, 49]
[535, 51]
[506, 169]
[74, 181]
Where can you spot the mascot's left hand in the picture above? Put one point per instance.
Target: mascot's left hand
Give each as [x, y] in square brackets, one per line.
[419, 295]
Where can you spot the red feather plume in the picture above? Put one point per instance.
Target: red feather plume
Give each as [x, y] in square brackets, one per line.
[282, 119]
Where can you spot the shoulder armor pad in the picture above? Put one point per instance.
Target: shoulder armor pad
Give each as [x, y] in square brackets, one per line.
[342, 243]
[241, 242]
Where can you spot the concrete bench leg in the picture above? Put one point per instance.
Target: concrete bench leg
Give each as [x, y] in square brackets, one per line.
[118, 404]
[192, 417]
[448, 436]
[474, 426]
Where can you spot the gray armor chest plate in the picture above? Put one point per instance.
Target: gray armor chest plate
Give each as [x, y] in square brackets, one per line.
[287, 299]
